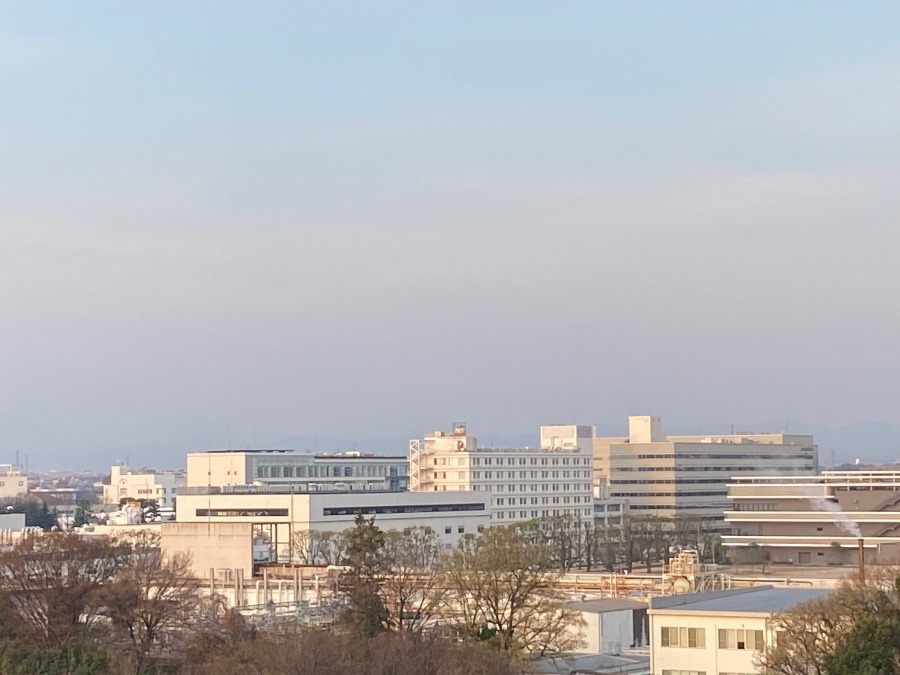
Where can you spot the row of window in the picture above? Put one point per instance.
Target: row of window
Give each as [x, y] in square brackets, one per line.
[668, 481]
[544, 500]
[542, 513]
[328, 471]
[533, 475]
[695, 638]
[533, 487]
[689, 455]
[679, 493]
[742, 506]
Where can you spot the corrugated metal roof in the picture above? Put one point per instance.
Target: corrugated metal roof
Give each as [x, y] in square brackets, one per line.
[762, 600]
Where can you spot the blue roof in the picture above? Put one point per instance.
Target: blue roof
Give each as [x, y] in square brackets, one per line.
[765, 600]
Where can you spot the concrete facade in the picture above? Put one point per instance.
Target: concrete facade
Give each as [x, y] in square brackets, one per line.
[289, 467]
[13, 482]
[277, 514]
[817, 520]
[518, 483]
[125, 483]
[687, 475]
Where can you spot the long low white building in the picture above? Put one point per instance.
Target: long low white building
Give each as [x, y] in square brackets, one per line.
[276, 514]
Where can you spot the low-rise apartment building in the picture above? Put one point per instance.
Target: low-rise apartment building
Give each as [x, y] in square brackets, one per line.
[126, 483]
[519, 483]
[816, 520]
[669, 476]
[717, 633]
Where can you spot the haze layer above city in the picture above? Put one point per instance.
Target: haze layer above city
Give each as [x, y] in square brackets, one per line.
[331, 227]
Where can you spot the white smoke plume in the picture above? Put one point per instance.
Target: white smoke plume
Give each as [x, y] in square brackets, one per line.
[842, 520]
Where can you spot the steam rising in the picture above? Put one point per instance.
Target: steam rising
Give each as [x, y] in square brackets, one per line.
[840, 518]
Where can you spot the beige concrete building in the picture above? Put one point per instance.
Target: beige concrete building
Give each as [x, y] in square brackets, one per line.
[275, 513]
[816, 520]
[126, 483]
[289, 467]
[718, 633]
[519, 483]
[687, 475]
[12, 482]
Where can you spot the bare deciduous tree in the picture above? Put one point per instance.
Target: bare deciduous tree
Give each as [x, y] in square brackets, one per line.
[501, 587]
[412, 587]
[151, 598]
[53, 581]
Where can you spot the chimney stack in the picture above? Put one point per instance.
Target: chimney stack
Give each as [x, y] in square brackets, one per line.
[862, 562]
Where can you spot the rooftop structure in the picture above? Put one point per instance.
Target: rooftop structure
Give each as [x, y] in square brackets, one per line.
[243, 467]
[520, 483]
[687, 475]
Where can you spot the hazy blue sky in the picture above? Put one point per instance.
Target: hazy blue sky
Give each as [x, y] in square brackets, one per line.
[238, 223]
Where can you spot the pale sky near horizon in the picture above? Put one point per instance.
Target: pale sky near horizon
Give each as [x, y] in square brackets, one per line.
[234, 223]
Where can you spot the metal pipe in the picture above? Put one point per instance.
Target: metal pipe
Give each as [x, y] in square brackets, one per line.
[862, 561]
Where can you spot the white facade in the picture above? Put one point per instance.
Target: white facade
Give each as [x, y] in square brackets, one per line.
[125, 483]
[449, 515]
[611, 625]
[717, 633]
[289, 467]
[12, 482]
[519, 483]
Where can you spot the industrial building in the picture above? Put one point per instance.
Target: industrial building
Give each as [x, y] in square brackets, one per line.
[816, 520]
[668, 476]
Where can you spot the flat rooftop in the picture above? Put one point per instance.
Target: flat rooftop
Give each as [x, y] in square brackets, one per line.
[759, 600]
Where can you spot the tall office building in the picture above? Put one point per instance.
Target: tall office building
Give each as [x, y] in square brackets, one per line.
[669, 476]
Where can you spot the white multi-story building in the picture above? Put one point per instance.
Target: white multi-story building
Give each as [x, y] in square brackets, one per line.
[671, 476]
[289, 467]
[125, 483]
[12, 482]
[521, 483]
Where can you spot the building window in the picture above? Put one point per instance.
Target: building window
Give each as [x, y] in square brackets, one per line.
[683, 637]
[460, 529]
[448, 530]
[685, 672]
[741, 639]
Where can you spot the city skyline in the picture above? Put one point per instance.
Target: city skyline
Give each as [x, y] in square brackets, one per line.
[225, 225]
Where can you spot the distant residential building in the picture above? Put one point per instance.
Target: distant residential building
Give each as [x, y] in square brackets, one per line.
[520, 483]
[717, 632]
[126, 483]
[669, 476]
[13, 482]
[290, 467]
[816, 520]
